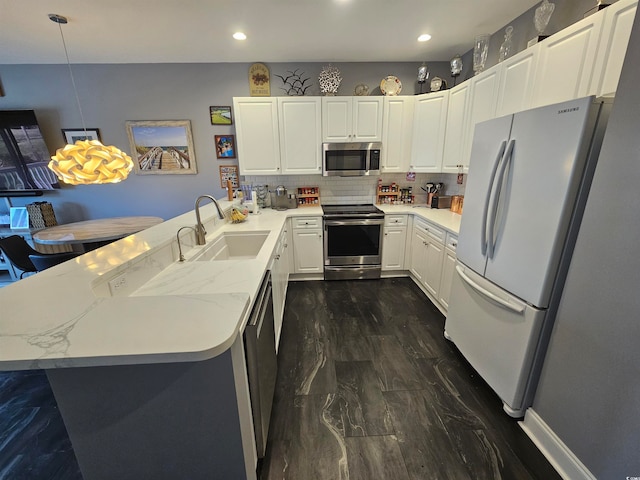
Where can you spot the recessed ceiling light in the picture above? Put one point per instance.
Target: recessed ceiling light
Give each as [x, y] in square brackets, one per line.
[239, 36]
[424, 37]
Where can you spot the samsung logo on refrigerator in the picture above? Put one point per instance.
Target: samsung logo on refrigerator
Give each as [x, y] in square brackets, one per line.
[567, 110]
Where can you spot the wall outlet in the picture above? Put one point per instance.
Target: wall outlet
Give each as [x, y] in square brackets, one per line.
[118, 285]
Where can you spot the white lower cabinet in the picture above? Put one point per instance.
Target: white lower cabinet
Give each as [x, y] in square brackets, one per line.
[307, 245]
[280, 280]
[393, 242]
[448, 269]
[427, 252]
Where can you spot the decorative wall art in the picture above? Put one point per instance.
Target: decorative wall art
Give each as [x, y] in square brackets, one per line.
[220, 115]
[295, 83]
[229, 172]
[72, 135]
[329, 80]
[259, 80]
[225, 146]
[162, 147]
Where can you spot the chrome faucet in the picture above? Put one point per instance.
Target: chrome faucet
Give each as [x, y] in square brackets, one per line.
[181, 258]
[200, 231]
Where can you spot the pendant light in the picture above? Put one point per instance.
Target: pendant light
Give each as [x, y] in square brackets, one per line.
[87, 161]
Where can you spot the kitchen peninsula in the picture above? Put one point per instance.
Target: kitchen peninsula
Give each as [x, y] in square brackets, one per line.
[145, 354]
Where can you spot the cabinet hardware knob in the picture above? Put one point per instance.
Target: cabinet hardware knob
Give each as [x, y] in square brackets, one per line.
[277, 257]
[285, 245]
[455, 244]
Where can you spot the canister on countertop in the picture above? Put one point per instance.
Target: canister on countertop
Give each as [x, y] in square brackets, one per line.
[229, 190]
[456, 203]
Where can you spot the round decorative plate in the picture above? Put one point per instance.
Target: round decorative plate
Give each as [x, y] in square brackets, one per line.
[361, 90]
[390, 85]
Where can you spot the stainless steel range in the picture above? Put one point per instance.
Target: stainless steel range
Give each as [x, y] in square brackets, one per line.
[352, 241]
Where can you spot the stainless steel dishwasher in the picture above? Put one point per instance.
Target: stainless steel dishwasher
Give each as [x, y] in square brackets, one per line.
[260, 347]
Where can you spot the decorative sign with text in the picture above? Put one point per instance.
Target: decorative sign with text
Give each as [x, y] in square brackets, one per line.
[259, 80]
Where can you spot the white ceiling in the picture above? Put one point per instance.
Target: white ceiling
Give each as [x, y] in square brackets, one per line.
[158, 31]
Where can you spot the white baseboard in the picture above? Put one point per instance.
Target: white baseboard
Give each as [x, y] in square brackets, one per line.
[560, 457]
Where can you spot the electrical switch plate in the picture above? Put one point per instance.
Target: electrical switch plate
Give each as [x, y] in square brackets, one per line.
[118, 285]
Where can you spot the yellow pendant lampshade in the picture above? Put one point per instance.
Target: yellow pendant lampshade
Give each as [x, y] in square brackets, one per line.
[90, 162]
[87, 161]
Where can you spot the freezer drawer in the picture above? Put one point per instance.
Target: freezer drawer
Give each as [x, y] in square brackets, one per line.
[496, 332]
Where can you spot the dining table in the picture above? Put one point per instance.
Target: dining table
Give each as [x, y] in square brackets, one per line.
[91, 234]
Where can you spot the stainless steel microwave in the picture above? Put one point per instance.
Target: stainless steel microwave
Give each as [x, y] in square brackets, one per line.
[350, 159]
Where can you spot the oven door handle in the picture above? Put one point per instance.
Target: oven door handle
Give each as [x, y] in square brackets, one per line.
[355, 221]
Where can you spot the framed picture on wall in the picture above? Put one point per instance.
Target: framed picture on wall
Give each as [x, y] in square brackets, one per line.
[72, 135]
[220, 115]
[225, 146]
[229, 172]
[162, 147]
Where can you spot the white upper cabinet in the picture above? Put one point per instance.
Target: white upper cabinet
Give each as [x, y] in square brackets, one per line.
[566, 62]
[482, 105]
[352, 119]
[397, 123]
[484, 97]
[516, 84]
[618, 21]
[258, 139]
[429, 125]
[456, 130]
[300, 135]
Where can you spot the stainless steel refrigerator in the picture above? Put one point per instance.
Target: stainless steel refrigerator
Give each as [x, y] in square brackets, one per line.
[528, 182]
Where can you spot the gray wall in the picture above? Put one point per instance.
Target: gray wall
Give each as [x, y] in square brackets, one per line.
[589, 392]
[112, 94]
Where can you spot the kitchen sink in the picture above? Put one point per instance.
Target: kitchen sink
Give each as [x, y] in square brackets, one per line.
[232, 246]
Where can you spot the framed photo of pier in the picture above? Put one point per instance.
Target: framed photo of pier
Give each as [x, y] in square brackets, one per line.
[162, 147]
[225, 146]
[72, 135]
[220, 115]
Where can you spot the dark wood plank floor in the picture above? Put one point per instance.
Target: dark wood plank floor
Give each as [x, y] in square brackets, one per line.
[34, 444]
[368, 388]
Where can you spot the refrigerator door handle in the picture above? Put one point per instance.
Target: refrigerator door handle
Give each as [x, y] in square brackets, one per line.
[496, 198]
[485, 211]
[486, 293]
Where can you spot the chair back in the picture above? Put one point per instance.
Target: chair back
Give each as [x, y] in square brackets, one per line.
[42, 261]
[17, 251]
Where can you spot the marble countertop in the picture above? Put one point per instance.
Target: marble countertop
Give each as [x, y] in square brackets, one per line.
[191, 311]
[442, 217]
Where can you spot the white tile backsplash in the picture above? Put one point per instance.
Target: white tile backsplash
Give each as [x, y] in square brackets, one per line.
[334, 190]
